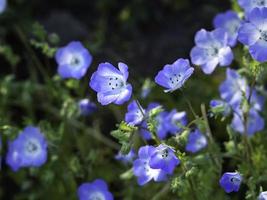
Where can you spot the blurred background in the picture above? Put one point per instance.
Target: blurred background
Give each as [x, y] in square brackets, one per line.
[144, 34]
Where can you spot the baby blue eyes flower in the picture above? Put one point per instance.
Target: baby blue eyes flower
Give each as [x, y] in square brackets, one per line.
[249, 5]
[111, 84]
[254, 34]
[230, 22]
[29, 149]
[196, 141]
[164, 158]
[128, 158]
[97, 190]
[86, 107]
[211, 50]
[231, 181]
[143, 171]
[73, 60]
[134, 116]
[173, 76]
[263, 196]
[254, 124]
[233, 88]
[2, 6]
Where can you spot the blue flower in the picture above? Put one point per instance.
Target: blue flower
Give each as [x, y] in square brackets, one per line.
[255, 122]
[263, 196]
[73, 60]
[249, 5]
[111, 84]
[86, 107]
[231, 181]
[175, 121]
[221, 106]
[173, 77]
[196, 141]
[164, 158]
[233, 89]
[143, 171]
[253, 33]
[2, 6]
[230, 22]
[29, 149]
[134, 116]
[128, 158]
[211, 49]
[95, 190]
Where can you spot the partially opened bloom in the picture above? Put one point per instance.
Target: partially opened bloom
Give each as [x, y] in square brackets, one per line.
[253, 33]
[231, 181]
[233, 89]
[254, 124]
[2, 5]
[86, 107]
[164, 158]
[249, 5]
[135, 114]
[143, 171]
[196, 141]
[29, 149]
[173, 76]
[97, 190]
[211, 49]
[263, 196]
[230, 22]
[73, 60]
[111, 84]
[126, 158]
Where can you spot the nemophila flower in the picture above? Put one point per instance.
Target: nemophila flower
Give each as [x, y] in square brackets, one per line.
[29, 149]
[86, 107]
[111, 84]
[196, 141]
[230, 22]
[142, 169]
[263, 196]
[253, 33]
[135, 114]
[173, 76]
[249, 5]
[164, 158]
[233, 88]
[231, 181]
[126, 158]
[255, 122]
[3, 4]
[174, 121]
[73, 60]
[211, 50]
[97, 190]
[219, 106]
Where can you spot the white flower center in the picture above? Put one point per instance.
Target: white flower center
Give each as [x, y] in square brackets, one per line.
[96, 196]
[260, 3]
[116, 83]
[32, 147]
[175, 79]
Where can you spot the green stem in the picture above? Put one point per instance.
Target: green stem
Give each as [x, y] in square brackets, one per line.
[213, 157]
